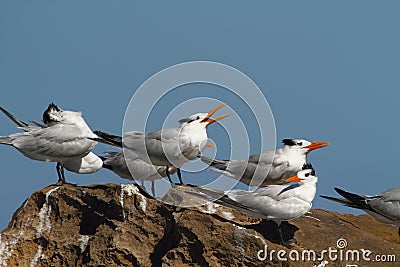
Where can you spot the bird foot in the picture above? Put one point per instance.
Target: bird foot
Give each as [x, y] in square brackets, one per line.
[287, 245]
[187, 185]
[60, 183]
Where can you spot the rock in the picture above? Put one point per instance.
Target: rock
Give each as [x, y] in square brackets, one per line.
[117, 225]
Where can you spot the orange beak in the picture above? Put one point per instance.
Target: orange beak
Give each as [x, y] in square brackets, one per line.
[316, 145]
[293, 179]
[211, 112]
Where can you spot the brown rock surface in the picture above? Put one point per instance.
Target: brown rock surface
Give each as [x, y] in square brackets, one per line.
[115, 225]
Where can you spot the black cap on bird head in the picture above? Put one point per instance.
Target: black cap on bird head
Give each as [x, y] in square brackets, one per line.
[288, 142]
[46, 114]
[308, 166]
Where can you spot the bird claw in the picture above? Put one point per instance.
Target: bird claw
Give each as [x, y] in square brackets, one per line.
[61, 183]
[287, 245]
[188, 185]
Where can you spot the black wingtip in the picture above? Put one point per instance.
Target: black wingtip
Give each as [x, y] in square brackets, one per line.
[106, 135]
[340, 191]
[328, 197]
[356, 200]
[340, 200]
[108, 138]
[13, 118]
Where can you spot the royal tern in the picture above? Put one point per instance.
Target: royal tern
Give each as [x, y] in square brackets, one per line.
[170, 147]
[115, 161]
[384, 207]
[270, 167]
[62, 138]
[274, 202]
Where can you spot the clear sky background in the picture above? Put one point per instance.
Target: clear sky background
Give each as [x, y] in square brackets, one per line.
[329, 70]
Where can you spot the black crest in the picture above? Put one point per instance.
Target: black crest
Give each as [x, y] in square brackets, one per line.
[46, 114]
[308, 166]
[288, 142]
[188, 120]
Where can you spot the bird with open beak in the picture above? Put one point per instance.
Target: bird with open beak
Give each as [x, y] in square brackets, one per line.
[170, 147]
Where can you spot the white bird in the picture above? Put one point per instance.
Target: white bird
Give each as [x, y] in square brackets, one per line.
[384, 207]
[143, 171]
[63, 138]
[270, 167]
[170, 147]
[274, 202]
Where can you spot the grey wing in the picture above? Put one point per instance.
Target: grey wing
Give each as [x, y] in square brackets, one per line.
[393, 194]
[251, 172]
[162, 143]
[222, 198]
[272, 191]
[253, 203]
[272, 202]
[166, 137]
[137, 170]
[115, 162]
[134, 140]
[389, 209]
[134, 144]
[154, 147]
[53, 143]
[134, 135]
[267, 168]
[259, 170]
[266, 157]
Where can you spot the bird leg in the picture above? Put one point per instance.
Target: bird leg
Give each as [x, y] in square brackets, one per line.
[286, 244]
[179, 175]
[60, 172]
[168, 175]
[153, 189]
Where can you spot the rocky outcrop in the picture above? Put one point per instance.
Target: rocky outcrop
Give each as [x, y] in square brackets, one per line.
[117, 225]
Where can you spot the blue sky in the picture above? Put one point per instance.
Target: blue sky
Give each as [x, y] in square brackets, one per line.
[329, 71]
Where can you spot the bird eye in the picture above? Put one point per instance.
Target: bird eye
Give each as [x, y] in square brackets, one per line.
[307, 174]
[300, 143]
[198, 117]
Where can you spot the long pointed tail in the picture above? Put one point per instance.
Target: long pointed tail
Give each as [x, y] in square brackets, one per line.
[217, 163]
[109, 139]
[356, 200]
[338, 200]
[13, 118]
[107, 157]
[5, 140]
[349, 200]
